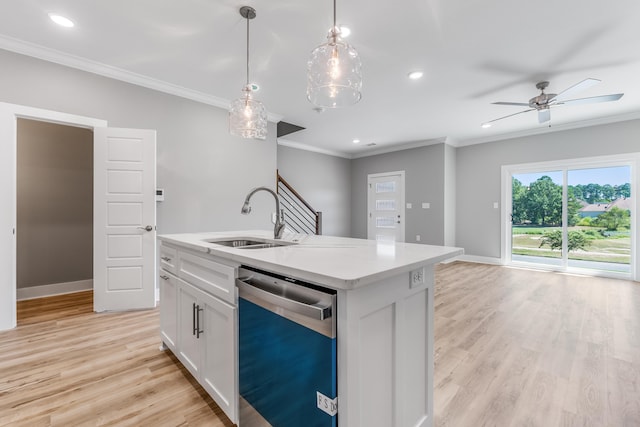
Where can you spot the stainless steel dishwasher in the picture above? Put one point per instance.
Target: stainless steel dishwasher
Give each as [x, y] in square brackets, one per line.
[287, 346]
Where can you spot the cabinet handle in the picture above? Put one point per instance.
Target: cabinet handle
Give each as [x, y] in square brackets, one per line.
[193, 310]
[165, 258]
[163, 277]
[198, 330]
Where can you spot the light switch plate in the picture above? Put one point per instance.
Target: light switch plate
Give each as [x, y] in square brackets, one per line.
[409, 205]
[426, 205]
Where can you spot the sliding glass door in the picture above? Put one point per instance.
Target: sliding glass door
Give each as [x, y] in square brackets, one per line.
[600, 218]
[536, 212]
[571, 217]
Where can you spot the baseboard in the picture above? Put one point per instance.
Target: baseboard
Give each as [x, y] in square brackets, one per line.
[479, 259]
[53, 289]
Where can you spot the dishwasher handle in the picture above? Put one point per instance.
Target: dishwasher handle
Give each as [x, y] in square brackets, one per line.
[316, 311]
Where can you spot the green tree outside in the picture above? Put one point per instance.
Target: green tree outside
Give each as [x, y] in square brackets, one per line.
[614, 219]
[577, 240]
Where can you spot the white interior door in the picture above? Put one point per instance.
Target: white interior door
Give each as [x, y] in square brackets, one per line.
[124, 219]
[386, 207]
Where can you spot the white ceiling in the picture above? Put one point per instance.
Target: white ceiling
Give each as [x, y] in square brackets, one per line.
[472, 52]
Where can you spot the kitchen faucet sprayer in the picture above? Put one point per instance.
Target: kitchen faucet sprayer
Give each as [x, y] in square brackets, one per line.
[278, 229]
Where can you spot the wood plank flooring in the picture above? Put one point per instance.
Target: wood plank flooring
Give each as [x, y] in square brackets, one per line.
[521, 348]
[513, 348]
[67, 366]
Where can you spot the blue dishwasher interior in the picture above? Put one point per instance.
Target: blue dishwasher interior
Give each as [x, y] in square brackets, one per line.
[282, 366]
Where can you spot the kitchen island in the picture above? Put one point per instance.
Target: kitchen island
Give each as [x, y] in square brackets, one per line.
[384, 293]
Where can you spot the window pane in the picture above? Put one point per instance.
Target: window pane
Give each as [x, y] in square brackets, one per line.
[386, 187]
[385, 222]
[385, 205]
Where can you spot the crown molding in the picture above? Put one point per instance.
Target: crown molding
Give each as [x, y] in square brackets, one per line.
[51, 55]
[556, 128]
[305, 147]
[400, 147]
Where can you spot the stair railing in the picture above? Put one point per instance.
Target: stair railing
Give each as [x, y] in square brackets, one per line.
[300, 216]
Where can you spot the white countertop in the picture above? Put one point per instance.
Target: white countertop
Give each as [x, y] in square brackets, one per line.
[335, 262]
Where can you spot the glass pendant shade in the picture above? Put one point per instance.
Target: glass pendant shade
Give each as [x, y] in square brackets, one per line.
[248, 117]
[334, 76]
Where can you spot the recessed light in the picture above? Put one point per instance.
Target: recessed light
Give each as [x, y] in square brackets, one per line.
[415, 75]
[344, 31]
[356, 141]
[61, 20]
[486, 125]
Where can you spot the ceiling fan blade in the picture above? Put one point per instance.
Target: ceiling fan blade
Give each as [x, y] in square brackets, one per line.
[544, 115]
[519, 104]
[510, 115]
[602, 98]
[578, 87]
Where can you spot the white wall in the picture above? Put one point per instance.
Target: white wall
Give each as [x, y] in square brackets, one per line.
[205, 172]
[324, 182]
[478, 178]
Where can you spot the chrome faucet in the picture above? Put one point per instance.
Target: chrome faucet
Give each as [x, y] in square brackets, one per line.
[278, 229]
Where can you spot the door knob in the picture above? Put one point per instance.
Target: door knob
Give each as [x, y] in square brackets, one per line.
[147, 228]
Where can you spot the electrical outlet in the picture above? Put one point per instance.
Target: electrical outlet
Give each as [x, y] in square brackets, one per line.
[417, 237]
[416, 277]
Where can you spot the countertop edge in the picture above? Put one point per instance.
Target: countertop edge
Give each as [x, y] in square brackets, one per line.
[338, 283]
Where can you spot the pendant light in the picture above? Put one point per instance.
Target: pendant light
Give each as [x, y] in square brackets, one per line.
[334, 76]
[248, 117]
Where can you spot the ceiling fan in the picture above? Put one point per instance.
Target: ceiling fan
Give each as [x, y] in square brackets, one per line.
[543, 102]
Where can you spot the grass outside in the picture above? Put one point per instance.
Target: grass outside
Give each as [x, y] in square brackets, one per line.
[615, 248]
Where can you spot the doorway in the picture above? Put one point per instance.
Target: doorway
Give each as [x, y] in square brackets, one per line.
[54, 209]
[575, 215]
[124, 205]
[385, 202]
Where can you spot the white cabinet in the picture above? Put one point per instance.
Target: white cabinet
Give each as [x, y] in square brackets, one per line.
[169, 309]
[218, 356]
[198, 321]
[168, 258]
[189, 344]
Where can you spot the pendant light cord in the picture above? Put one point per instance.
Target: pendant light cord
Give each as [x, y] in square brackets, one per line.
[334, 13]
[248, 51]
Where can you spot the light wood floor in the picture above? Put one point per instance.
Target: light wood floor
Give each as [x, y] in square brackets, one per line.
[67, 366]
[521, 348]
[513, 348]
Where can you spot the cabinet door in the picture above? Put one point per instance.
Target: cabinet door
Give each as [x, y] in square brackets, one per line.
[188, 341]
[168, 309]
[218, 374]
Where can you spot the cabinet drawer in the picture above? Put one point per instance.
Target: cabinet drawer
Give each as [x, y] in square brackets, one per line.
[210, 276]
[169, 258]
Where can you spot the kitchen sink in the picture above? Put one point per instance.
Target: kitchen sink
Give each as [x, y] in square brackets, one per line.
[248, 243]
